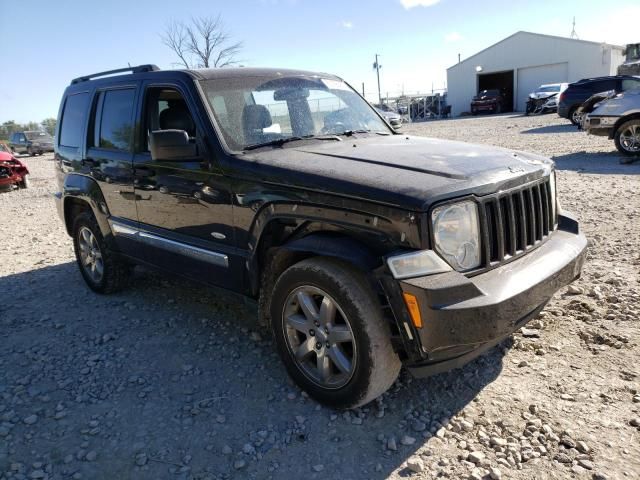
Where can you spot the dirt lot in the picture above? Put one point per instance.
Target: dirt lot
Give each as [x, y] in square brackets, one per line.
[168, 380]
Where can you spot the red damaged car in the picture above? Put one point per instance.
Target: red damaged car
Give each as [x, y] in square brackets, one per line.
[12, 171]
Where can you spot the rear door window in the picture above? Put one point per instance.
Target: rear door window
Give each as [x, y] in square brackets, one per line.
[115, 127]
[630, 84]
[604, 85]
[74, 116]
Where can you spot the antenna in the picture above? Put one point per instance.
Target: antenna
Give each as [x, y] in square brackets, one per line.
[573, 30]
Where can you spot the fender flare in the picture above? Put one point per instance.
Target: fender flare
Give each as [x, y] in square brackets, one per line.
[338, 246]
[85, 189]
[621, 120]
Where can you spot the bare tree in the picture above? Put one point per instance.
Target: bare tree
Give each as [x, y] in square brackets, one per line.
[202, 43]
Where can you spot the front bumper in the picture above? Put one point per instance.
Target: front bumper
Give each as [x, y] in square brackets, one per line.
[59, 206]
[483, 107]
[599, 125]
[465, 316]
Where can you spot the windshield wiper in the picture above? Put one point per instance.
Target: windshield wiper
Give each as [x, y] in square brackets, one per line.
[278, 142]
[351, 133]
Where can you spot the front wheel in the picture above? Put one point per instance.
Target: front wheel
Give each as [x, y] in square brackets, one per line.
[25, 182]
[99, 265]
[331, 334]
[627, 138]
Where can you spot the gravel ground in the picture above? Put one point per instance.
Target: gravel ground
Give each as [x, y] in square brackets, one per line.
[171, 380]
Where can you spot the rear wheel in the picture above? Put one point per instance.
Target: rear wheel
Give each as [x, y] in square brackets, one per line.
[331, 334]
[96, 256]
[30, 151]
[627, 138]
[575, 116]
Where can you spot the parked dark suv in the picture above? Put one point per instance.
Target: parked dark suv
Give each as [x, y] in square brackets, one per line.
[577, 93]
[31, 143]
[364, 250]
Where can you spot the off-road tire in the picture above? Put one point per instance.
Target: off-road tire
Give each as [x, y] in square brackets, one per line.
[616, 137]
[116, 272]
[376, 364]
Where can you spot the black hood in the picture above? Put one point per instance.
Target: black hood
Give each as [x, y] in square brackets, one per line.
[410, 172]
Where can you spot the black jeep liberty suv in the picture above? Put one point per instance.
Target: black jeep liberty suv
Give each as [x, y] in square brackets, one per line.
[364, 249]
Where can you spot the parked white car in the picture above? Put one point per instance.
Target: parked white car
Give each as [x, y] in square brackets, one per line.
[617, 117]
[545, 98]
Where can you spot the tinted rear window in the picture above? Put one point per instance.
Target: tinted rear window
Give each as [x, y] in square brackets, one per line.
[116, 127]
[74, 116]
[604, 85]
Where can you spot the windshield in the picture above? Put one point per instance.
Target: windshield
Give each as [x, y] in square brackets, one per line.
[37, 135]
[258, 110]
[549, 88]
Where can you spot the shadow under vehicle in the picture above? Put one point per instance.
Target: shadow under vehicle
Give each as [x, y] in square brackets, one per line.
[364, 250]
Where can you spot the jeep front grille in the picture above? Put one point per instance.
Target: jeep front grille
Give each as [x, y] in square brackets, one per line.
[515, 221]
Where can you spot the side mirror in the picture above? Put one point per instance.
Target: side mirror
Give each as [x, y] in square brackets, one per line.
[171, 145]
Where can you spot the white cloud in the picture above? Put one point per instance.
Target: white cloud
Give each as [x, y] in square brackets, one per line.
[418, 3]
[347, 24]
[453, 37]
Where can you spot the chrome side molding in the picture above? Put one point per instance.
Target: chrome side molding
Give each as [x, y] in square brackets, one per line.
[197, 253]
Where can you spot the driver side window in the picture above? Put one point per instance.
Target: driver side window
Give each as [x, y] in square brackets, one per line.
[166, 109]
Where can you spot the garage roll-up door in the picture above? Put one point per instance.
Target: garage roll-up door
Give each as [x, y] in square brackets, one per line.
[530, 78]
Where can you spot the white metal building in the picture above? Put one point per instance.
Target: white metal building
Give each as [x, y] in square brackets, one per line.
[523, 61]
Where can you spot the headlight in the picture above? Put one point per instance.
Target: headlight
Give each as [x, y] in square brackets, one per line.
[552, 186]
[416, 264]
[456, 232]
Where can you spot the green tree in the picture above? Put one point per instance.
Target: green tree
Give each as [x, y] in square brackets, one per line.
[7, 128]
[49, 124]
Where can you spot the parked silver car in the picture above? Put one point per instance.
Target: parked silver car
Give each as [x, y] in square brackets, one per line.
[617, 117]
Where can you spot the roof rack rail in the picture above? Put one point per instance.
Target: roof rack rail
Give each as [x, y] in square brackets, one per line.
[137, 69]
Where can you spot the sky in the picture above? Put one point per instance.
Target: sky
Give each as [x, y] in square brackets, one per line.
[47, 43]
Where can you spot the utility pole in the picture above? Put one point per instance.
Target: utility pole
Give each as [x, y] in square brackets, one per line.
[363, 89]
[377, 66]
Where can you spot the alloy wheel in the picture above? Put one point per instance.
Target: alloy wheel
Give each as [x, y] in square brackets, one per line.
[319, 337]
[90, 254]
[630, 139]
[577, 116]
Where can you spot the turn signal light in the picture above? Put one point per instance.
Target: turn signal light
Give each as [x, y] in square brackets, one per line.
[414, 309]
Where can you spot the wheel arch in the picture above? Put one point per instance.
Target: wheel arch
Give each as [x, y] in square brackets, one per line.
[622, 120]
[275, 255]
[81, 193]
